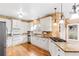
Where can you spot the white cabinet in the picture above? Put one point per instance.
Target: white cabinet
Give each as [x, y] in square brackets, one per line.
[19, 39]
[28, 26]
[44, 43]
[25, 39]
[17, 27]
[40, 42]
[20, 27]
[60, 52]
[46, 24]
[35, 41]
[16, 40]
[9, 42]
[54, 49]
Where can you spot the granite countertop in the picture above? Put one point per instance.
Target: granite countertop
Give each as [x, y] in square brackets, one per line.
[68, 47]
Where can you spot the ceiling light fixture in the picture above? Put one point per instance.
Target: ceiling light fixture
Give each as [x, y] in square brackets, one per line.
[62, 20]
[55, 17]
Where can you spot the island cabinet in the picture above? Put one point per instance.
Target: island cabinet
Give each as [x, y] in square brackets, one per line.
[63, 48]
[40, 42]
[55, 50]
[44, 43]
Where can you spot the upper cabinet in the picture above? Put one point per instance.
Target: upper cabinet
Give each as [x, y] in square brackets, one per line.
[16, 27]
[19, 27]
[46, 24]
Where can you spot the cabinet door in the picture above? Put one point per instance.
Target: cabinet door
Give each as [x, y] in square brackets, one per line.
[44, 43]
[40, 42]
[17, 39]
[53, 48]
[9, 42]
[34, 40]
[25, 39]
[50, 49]
[46, 24]
[60, 52]
[37, 41]
[14, 40]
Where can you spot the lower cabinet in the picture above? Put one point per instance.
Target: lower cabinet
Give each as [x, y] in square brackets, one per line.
[19, 39]
[16, 40]
[9, 41]
[44, 43]
[24, 39]
[40, 42]
[55, 50]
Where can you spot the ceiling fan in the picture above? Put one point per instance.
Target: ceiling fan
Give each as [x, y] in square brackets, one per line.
[75, 8]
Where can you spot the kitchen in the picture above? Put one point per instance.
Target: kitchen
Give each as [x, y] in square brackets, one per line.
[39, 25]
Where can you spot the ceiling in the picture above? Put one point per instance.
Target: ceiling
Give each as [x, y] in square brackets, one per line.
[34, 10]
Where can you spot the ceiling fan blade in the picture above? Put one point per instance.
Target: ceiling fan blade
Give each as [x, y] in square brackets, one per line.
[77, 5]
[71, 12]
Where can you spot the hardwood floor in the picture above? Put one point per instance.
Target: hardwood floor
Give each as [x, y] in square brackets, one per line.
[26, 50]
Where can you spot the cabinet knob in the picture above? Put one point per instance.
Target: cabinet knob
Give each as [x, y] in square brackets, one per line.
[58, 55]
[58, 49]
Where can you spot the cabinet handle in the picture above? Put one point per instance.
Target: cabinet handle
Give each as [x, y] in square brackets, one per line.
[58, 55]
[58, 49]
[51, 40]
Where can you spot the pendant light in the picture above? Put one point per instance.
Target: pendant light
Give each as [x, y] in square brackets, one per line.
[75, 15]
[55, 17]
[62, 20]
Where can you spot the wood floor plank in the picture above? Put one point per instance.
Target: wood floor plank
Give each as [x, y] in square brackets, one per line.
[26, 50]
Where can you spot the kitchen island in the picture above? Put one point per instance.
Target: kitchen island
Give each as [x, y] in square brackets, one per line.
[63, 48]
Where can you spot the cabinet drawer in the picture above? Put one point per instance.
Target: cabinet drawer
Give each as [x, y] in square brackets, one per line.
[55, 50]
[60, 52]
[9, 42]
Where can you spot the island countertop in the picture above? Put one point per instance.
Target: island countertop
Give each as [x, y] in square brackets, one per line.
[68, 47]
